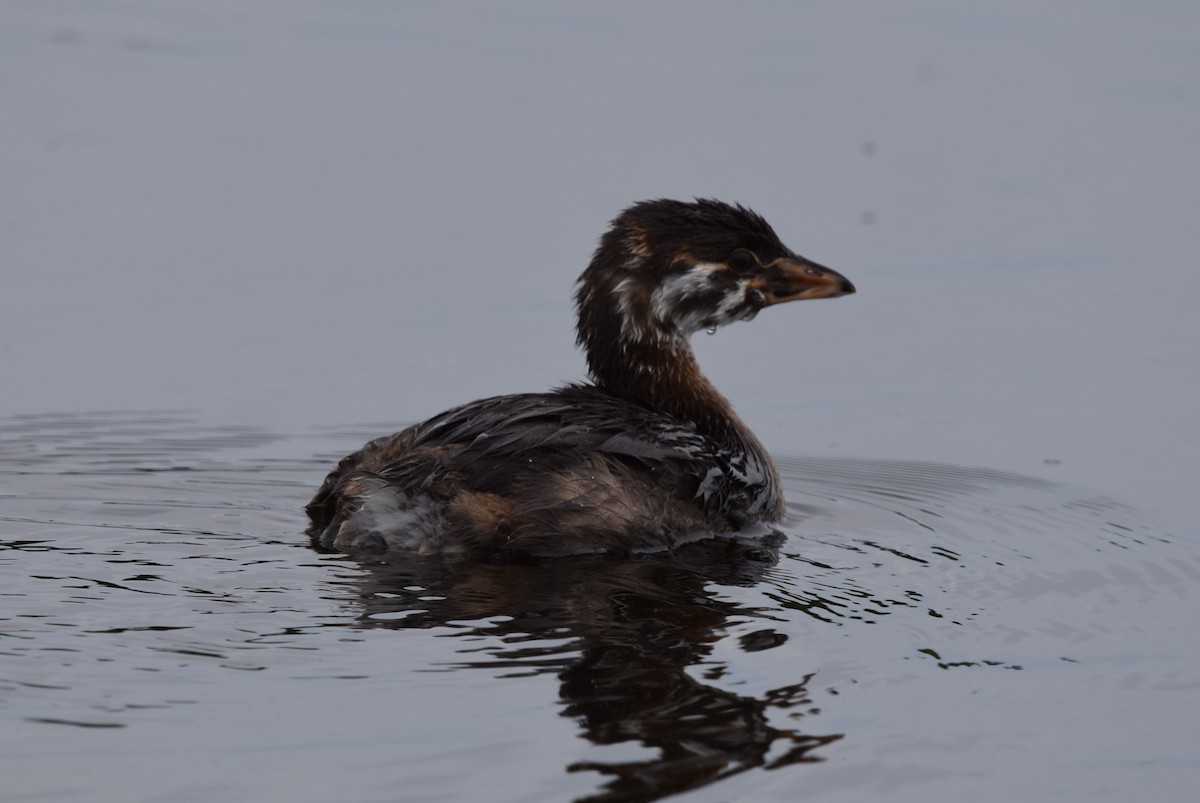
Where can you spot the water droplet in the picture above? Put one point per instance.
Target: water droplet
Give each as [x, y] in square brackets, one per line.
[712, 330]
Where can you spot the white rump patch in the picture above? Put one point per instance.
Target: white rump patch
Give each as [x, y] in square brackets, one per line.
[404, 522]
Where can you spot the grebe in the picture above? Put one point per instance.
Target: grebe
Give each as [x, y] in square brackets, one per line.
[648, 457]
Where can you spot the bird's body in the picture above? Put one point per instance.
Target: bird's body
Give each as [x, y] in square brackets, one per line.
[648, 457]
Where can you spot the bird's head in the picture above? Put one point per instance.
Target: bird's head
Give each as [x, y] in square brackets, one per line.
[667, 269]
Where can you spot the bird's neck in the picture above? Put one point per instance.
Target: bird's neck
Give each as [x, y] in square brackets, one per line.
[663, 372]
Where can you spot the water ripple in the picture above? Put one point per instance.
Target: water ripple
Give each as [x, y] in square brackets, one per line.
[152, 560]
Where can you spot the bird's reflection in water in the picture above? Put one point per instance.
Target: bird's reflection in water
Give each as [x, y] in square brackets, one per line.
[620, 636]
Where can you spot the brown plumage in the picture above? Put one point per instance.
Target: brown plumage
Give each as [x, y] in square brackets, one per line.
[648, 457]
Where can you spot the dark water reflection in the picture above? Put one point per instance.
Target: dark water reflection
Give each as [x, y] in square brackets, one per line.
[621, 638]
[918, 621]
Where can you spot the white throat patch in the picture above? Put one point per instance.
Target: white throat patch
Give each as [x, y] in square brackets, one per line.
[669, 299]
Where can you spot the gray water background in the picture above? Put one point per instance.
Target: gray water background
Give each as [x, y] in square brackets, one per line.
[238, 239]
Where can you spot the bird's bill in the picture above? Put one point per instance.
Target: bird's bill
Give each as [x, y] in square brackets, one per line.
[788, 279]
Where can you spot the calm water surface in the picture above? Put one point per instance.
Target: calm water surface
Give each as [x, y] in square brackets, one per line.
[923, 626]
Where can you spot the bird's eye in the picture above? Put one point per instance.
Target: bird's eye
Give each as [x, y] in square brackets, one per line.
[742, 260]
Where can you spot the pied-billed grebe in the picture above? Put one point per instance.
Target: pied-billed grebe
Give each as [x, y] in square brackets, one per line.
[648, 457]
